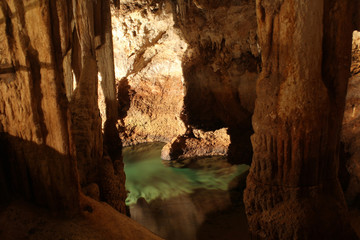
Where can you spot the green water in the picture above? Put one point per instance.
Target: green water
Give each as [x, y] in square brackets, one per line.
[149, 178]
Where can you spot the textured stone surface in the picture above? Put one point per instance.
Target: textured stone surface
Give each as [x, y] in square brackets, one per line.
[220, 68]
[99, 221]
[293, 189]
[33, 108]
[51, 133]
[200, 143]
[351, 127]
[148, 53]
[196, 74]
[150, 66]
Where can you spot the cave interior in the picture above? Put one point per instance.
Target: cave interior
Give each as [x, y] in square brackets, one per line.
[251, 102]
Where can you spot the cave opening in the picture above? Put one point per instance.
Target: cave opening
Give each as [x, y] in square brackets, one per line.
[177, 122]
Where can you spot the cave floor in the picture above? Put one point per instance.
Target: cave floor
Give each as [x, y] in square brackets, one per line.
[21, 220]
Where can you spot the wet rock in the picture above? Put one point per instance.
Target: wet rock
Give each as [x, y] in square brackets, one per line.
[201, 143]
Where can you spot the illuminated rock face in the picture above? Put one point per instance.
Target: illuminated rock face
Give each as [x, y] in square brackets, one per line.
[292, 188]
[148, 54]
[183, 66]
[200, 143]
[52, 144]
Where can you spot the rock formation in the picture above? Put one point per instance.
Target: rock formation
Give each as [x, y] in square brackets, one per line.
[192, 68]
[198, 144]
[350, 131]
[163, 45]
[148, 53]
[293, 189]
[52, 143]
[220, 68]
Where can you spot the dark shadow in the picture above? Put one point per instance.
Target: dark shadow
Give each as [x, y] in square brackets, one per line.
[216, 225]
[112, 141]
[212, 99]
[124, 95]
[178, 147]
[231, 222]
[4, 185]
[344, 175]
[116, 3]
[39, 174]
[240, 149]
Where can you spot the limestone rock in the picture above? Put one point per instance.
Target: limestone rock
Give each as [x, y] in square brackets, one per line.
[148, 53]
[53, 136]
[33, 108]
[194, 66]
[351, 127]
[293, 191]
[355, 66]
[201, 143]
[220, 68]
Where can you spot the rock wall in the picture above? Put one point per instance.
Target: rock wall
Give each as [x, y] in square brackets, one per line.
[293, 189]
[183, 66]
[33, 108]
[148, 54]
[220, 68]
[196, 144]
[51, 135]
[351, 130]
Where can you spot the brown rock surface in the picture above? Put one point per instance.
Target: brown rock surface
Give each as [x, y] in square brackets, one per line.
[51, 133]
[33, 109]
[148, 53]
[350, 134]
[98, 221]
[293, 191]
[217, 65]
[201, 143]
[149, 61]
[220, 68]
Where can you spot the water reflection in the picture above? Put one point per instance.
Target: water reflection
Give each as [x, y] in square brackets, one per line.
[197, 199]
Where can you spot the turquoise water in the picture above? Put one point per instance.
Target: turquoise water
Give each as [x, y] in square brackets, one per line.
[149, 178]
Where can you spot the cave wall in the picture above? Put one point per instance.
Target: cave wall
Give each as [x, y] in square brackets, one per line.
[51, 137]
[350, 132]
[293, 189]
[34, 123]
[184, 66]
[148, 52]
[220, 68]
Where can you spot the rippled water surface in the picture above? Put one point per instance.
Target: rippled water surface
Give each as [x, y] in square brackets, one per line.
[195, 199]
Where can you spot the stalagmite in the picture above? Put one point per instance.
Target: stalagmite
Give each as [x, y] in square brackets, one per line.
[293, 190]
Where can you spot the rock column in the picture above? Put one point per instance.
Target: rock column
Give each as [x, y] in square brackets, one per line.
[293, 190]
[50, 133]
